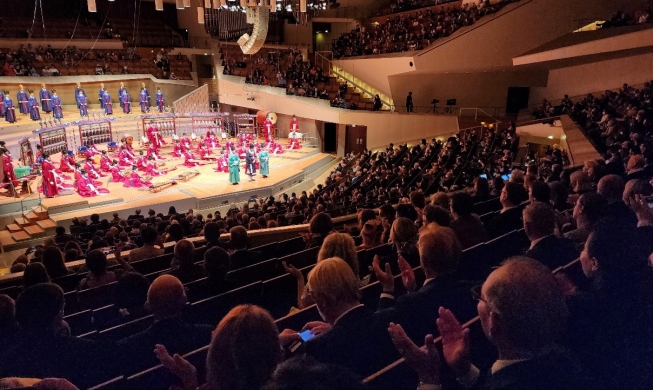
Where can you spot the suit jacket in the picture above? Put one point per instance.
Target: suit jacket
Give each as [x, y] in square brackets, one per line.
[505, 222]
[553, 252]
[641, 174]
[618, 213]
[469, 230]
[243, 258]
[417, 311]
[176, 335]
[83, 362]
[356, 341]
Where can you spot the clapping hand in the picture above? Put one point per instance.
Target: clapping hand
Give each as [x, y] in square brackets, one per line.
[292, 270]
[178, 366]
[407, 274]
[385, 277]
[639, 205]
[425, 361]
[455, 342]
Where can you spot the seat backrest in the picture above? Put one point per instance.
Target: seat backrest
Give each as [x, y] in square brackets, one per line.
[298, 319]
[290, 246]
[92, 298]
[153, 264]
[127, 329]
[264, 270]
[303, 258]
[104, 315]
[80, 322]
[68, 282]
[268, 251]
[280, 294]
[115, 383]
[211, 310]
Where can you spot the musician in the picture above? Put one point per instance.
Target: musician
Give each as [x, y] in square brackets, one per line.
[49, 183]
[160, 100]
[128, 145]
[125, 101]
[57, 109]
[211, 140]
[79, 90]
[203, 151]
[39, 153]
[86, 187]
[140, 161]
[135, 180]
[120, 90]
[250, 162]
[10, 112]
[186, 143]
[294, 140]
[264, 159]
[33, 104]
[276, 148]
[153, 136]
[294, 124]
[90, 169]
[108, 106]
[223, 164]
[268, 126]
[234, 168]
[8, 167]
[93, 149]
[189, 160]
[105, 162]
[116, 173]
[151, 169]
[46, 99]
[152, 152]
[64, 164]
[147, 93]
[2, 103]
[21, 99]
[82, 103]
[177, 149]
[101, 95]
[143, 101]
[126, 159]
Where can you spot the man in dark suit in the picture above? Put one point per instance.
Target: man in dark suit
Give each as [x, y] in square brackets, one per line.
[241, 257]
[351, 337]
[43, 348]
[522, 312]
[539, 225]
[166, 298]
[440, 253]
[636, 168]
[136, 215]
[616, 212]
[509, 218]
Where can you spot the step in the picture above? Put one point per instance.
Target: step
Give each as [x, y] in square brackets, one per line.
[41, 211]
[34, 231]
[5, 238]
[32, 217]
[12, 227]
[47, 224]
[20, 236]
[20, 221]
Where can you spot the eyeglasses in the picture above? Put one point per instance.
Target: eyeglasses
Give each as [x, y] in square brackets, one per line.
[476, 293]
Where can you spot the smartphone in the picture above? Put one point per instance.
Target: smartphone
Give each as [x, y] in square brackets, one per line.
[33, 250]
[506, 177]
[484, 176]
[106, 251]
[306, 335]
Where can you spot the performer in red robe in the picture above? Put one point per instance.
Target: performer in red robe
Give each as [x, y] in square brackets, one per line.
[275, 148]
[135, 180]
[294, 141]
[116, 174]
[156, 140]
[94, 149]
[64, 165]
[105, 162]
[268, 126]
[140, 162]
[91, 171]
[151, 169]
[86, 187]
[176, 149]
[151, 151]
[49, 183]
[8, 166]
[124, 157]
[294, 124]
[204, 151]
[186, 142]
[188, 156]
[223, 164]
[211, 140]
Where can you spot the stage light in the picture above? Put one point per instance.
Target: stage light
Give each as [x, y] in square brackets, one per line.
[200, 15]
[92, 7]
[550, 137]
[158, 5]
[180, 4]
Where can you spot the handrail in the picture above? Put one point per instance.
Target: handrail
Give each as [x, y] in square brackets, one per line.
[476, 110]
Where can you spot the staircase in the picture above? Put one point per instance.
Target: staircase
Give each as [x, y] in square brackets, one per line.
[34, 223]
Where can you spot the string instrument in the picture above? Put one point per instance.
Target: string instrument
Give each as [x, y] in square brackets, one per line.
[185, 176]
[201, 162]
[162, 185]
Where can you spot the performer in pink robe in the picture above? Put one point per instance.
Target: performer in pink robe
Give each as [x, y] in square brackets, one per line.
[176, 149]
[187, 163]
[64, 164]
[294, 141]
[94, 149]
[186, 143]
[86, 187]
[135, 180]
[151, 151]
[91, 171]
[211, 140]
[156, 140]
[49, 183]
[125, 158]
[223, 164]
[105, 162]
[116, 174]
[294, 124]
[151, 169]
[268, 126]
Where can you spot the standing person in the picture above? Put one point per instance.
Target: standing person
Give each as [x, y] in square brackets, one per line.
[108, 106]
[143, 101]
[10, 112]
[294, 124]
[409, 103]
[268, 125]
[46, 99]
[125, 102]
[264, 158]
[234, 167]
[79, 89]
[49, 183]
[147, 93]
[3, 108]
[122, 88]
[82, 103]
[160, 99]
[21, 99]
[101, 95]
[250, 161]
[377, 103]
[33, 103]
[8, 167]
[57, 110]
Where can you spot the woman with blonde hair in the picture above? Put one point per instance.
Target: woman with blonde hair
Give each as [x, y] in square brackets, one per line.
[440, 199]
[404, 237]
[371, 234]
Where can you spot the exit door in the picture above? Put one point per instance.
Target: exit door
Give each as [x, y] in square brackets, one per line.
[356, 140]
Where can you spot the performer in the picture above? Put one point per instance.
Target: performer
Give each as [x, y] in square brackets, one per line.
[203, 151]
[21, 99]
[152, 152]
[79, 89]
[268, 126]
[8, 167]
[101, 96]
[294, 141]
[82, 103]
[10, 112]
[116, 173]
[141, 161]
[188, 159]
[264, 159]
[176, 149]
[64, 163]
[105, 162]
[234, 168]
[125, 158]
[160, 100]
[3, 109]
[94, 150]
[143, 101]
[151, 169]
[186, 143]
[49, 183]
[85, 186]
[46, 99]
[154, 137]
[120, 90]
[125, 102]
[147, 92]
[108, 106]
[223, 164]
[57, 110]
[135, 180]
[33, 103]
[91, 171]
[211, 140]
[294, 124]
[250, 162]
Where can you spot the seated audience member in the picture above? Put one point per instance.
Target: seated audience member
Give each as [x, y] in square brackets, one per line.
[539, 191]
[98, 275]
[371, 234]
[440, 199]
[437, 215]
[318, 229]
[148, 250]
[616, 212]
[580, 183]
[130, 295]
[609, 328]
[61, 237]
[54, 263]
[41, 351]
[523, 313]
[241, 256]
[216, 265]
[8, 323]
[440, 253]
[304, 372]
[467, 226]
[136, 215]
[387, 214]
[183, 265]
[35, 273]
[166, 298]
[243, 352]
[481, 190]
[635, 169]
[175, 232]
[587, 213]
[510, 217]
[354, 339]
[212, 234]
[539, 225]
[403, 236]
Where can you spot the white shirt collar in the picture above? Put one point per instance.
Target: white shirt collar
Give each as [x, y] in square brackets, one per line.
[345, 313]
[534, 242]
[500, 364]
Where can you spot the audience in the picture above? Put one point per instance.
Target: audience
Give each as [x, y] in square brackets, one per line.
[546, 247]
[241, 256]
[510, 217]
[467, 226]
[149, 237]
[183, 265]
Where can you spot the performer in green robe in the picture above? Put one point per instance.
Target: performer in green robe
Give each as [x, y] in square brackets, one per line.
[264, 161]
[234, 167]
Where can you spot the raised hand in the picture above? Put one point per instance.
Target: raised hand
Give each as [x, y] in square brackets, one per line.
[385, 277]
[407, 274]
[455, 342]
[639, 205]
[425, 361]
[178, 366]
[292, 270]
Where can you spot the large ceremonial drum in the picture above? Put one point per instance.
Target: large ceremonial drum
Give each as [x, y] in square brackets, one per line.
[260, 116]
[129, 140]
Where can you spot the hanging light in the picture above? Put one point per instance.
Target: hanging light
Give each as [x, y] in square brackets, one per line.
[92, 7]
[158, 5]
[243, 3]
[200, 15]
[207, 3]
[216, 4]
[186, 3]
[180, 4]
[302, 5]
[273, 5]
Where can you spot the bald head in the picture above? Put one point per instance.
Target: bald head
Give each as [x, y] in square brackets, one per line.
[166, 297]
[611, 187]
[525, 309]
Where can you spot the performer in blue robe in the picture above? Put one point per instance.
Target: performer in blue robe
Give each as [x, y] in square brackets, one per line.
[10, 112]
[160, 100]
[21, 99]
[2, 104]
[147, 92]
[33, 104]
[82, 102]
[46, 99]
[77, 89]
[57, 110]
[125, 102]
[108, 106]
[122, 88]
[143, 101]
[101, 96]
